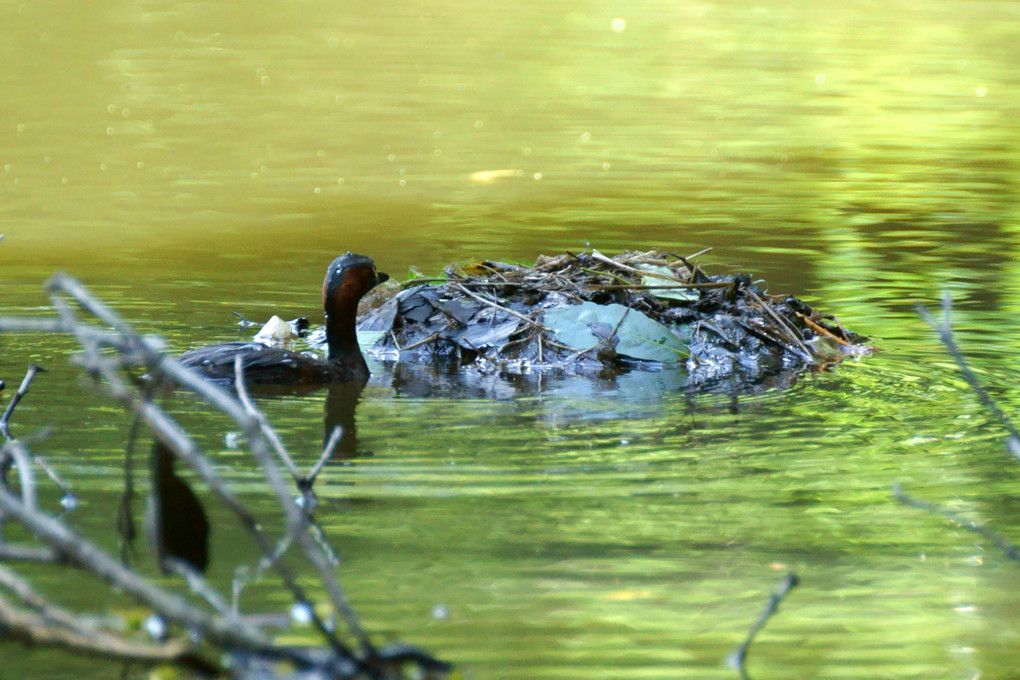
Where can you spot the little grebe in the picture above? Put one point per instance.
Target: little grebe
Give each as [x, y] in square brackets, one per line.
[348, 278]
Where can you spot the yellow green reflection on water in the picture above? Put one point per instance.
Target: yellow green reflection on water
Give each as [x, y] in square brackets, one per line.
[192, 159]
[315, 126]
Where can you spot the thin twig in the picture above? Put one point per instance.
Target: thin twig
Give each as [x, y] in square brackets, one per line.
[65, 545]
[28, 553]
[695, 286]
[779, 319]
[327, 453]
[494, 305]
[65, 489]
[182, 445]
[945, 331]
[482, 353]
[613, 263]
[84, 554]
[624, 282]
[15, 450]
[198, 584]
[415, 345]
[125, 513]
[764, 334]
[1011, 551]
[818, 328]
[90, 303]
[41, 629]
[33, 324]
[33, 369]
[265, 428]
[701, 252]
[53, 617]
[488, 284]
[296, 519]
[738, 657]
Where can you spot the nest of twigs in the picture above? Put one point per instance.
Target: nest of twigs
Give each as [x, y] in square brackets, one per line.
[645, 310]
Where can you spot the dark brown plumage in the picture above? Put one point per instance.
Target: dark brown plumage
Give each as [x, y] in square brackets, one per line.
[347, 279]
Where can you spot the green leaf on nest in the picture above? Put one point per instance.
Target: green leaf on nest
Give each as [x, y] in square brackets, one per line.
[640, 337]
[682, 294]
[369, 338]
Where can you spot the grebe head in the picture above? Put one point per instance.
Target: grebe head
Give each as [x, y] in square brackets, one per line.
[348, 278]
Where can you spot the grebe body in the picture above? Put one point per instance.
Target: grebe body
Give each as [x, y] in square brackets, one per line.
[347, 279]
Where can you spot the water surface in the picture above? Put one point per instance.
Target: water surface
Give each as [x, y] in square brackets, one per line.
[187, 160]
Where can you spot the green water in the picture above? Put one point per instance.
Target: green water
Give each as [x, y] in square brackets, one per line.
[187, 160]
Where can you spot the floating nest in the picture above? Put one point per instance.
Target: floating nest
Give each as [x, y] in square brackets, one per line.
[581, 312]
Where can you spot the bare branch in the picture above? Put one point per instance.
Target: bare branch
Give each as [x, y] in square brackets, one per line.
[296, 521]
[183, 446]
[228, 633]
[1011, 551]
[739, 656]
[226, 629]
[945, 331]
[40, 629]
[16, 450]
[49, 624]
[327, 453]
[22, 391]
[264, 427]
[25, 553]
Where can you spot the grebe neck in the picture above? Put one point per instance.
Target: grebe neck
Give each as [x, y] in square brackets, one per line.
[342, 338]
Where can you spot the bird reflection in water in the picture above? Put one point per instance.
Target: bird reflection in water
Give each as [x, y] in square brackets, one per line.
[176, 521]
[340, 410]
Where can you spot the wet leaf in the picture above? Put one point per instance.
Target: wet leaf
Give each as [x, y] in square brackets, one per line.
[683, 294]
[416, 304]
[483, 335]
[640, 337]
[369, 338]
[826, 349]
[381, 318]
[462, 312]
